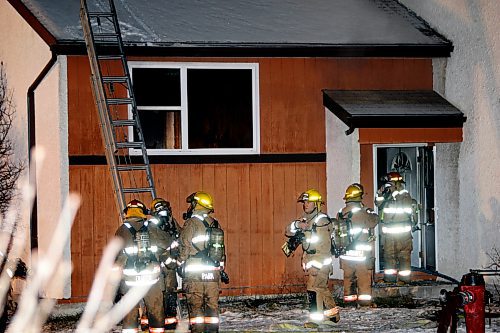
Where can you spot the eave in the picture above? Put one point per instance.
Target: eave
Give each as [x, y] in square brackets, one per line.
[266, 50]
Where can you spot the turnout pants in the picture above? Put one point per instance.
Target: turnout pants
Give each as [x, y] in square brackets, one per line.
[357, 281]
[170, 299]
[203, 306]
[397, 257]
[154, 307]
[321, 303]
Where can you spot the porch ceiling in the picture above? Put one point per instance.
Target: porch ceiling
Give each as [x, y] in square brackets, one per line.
[392, 109]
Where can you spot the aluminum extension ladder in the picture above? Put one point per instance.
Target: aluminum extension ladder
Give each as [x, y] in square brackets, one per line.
[116, 105]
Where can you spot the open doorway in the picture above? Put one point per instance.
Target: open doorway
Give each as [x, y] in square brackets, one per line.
[416, 164]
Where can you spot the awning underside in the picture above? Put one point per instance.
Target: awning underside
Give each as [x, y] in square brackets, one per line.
[392, 109]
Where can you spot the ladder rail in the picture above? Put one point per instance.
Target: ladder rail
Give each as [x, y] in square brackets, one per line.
[99, 97]
[105, 103]
[135, 113]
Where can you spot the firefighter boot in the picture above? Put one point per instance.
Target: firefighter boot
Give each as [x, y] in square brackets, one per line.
[170, 305]
[333, 314]
[390, 275]
[404, 276]
[313, 310]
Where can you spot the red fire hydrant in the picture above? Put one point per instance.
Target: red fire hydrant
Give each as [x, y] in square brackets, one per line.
[472, 285]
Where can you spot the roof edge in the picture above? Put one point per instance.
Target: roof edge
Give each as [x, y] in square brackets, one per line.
[392, 121]
[67, 47]
[425, 27]
[33, 22]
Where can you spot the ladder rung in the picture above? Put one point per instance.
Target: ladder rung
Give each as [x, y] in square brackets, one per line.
[131, 167]
[138, 190]
[114, 79]
[107, 45]
[117, 101]
[124, 122]
[105, 35]
[100, 14]
[110, 57]
[122, 145]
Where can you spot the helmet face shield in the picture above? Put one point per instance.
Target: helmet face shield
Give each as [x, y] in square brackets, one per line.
[159, 205]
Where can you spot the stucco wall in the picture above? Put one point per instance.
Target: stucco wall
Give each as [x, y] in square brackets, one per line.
[24, 55]
[53, 181]
[342, 167]
[342, 158]
[447, 208]
[21, 61]
[471, 81]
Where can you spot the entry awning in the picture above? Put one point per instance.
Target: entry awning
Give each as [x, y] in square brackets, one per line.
[392, 109]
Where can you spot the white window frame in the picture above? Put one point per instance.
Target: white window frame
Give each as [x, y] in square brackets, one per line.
[184, 150]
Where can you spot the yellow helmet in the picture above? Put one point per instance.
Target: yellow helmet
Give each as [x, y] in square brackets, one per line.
[135, 208]
[158, 205]
[310, 195]
[201, 199]
[354, 192]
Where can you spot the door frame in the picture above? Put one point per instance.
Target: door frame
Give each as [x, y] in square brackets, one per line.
[375, 188]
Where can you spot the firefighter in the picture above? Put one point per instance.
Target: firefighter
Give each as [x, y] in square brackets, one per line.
[202, 254]
[161, 216]
[398, 218]
[315, 228]
[144, 243]
[355, 236]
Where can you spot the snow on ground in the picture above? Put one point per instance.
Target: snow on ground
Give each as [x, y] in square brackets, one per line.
[289, 316]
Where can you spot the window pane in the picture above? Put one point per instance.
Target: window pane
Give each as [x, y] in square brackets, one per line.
[157, 86]
[162, 129]
[220, 108]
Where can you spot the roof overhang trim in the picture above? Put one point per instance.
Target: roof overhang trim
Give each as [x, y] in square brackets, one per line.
[265, 50]
[392, 109]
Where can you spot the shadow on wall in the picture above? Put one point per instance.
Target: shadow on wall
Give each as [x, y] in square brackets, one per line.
[487, 60]
[489, 216]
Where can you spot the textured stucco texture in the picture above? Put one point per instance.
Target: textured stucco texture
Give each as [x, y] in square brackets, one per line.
[24, 55]
[470, 173]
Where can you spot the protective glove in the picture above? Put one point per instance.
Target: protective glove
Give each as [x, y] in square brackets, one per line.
[224, 277]
[286, 250]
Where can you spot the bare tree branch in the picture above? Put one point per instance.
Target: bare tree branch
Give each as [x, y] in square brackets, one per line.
[494, 264]
[9, 170]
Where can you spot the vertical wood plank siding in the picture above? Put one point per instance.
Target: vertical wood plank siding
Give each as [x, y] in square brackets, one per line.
[253, 201]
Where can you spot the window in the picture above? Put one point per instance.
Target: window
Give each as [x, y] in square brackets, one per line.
[197, 108]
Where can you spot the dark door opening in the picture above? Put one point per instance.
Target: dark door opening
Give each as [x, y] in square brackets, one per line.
[416, 165]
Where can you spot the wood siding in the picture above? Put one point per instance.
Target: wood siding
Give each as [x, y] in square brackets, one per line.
[253, 201]
[411, 135]
[292, 115]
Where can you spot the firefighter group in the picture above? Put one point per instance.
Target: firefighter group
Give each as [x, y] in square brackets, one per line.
[157, 250]
[350, 236]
